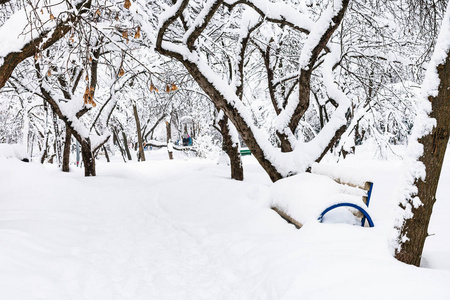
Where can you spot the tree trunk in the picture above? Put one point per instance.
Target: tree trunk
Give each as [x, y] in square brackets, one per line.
[45, 152]
[232, 150]
[57, 143]
[106, 154]
[127, 149]
[169, 137]
[285, 144]
[415, 228]
[139, 134]
[66, 151]
[88, 158]
[117, 142]
[168, 132]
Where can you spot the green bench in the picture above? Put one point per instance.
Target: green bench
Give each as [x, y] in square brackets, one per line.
[245, 152]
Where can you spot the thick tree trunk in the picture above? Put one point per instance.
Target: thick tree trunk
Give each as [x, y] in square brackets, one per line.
[66, 150]
[139, 134]
[434, 144]
[285, 145]
[232, 150]
[88, 158]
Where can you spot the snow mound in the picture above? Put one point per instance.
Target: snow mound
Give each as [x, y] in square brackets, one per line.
[13, 151]
[341, 173]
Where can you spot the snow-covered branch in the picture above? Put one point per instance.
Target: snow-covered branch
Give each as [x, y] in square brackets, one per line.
[21, 38]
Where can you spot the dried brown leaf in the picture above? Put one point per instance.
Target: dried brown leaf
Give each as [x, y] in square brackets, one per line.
[138, 33]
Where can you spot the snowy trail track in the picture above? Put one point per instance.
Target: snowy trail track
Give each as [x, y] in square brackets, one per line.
[181, 230]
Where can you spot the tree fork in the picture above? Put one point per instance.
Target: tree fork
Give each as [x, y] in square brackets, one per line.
[243, 128]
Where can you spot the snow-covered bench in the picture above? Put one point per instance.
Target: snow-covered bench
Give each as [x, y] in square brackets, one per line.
[315, 196]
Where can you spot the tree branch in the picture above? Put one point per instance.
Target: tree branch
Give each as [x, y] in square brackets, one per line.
[42, 42]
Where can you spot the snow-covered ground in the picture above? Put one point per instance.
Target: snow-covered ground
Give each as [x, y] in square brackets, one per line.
[182, 229]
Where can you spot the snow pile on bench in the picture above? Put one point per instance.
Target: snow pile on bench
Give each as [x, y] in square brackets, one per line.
[13, 151]
[341, 174]
[303, 197]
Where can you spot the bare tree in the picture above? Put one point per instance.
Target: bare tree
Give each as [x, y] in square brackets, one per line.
[225, 95]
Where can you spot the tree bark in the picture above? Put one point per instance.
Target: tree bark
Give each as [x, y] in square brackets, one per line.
[106, 154]
[169, 137]
[88, 158]
[139, 134]
[168, 132]
[127, 149]
[66, 150]
[434, 144]
[45, 152]
[232, 150]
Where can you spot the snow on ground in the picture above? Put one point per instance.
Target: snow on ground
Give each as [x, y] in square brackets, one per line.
[182, 229]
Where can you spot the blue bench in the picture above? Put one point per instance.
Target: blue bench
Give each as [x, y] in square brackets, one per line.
[362, 210]
[311, 196]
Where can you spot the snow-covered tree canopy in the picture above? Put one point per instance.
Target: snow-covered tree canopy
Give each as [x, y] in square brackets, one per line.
[296, 78]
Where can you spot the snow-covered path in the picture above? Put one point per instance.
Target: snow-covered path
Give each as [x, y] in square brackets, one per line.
[112, 237]
[182, 230]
